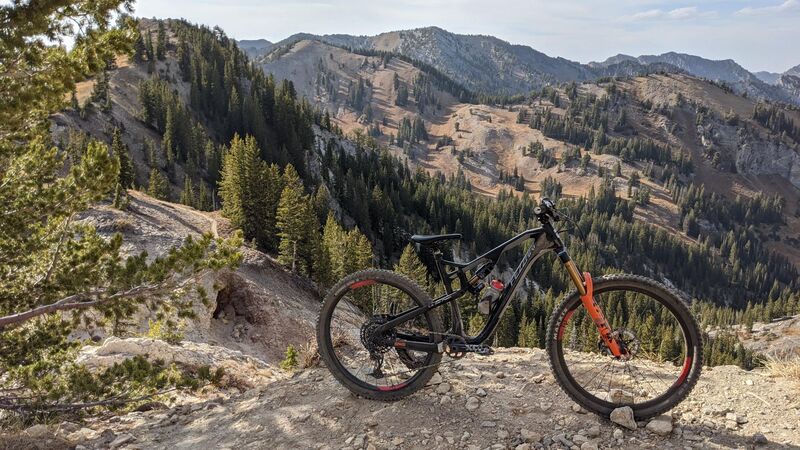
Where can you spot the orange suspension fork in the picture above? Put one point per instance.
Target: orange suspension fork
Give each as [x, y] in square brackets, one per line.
[586, 290]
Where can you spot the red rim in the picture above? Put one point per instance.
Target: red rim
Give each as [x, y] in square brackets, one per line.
[360, 284]
[563, 325]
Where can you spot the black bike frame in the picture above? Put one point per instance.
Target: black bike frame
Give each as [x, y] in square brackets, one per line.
[544, 239]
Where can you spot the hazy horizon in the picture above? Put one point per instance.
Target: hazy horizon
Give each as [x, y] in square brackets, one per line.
[754, 34]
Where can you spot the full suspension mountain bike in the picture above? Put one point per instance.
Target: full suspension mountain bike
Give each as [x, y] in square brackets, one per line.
[383, 337]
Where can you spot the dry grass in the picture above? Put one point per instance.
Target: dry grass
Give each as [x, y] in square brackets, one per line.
[784, 366]
[309, 355]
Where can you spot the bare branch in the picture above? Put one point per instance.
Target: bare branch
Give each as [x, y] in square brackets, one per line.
[77, 301]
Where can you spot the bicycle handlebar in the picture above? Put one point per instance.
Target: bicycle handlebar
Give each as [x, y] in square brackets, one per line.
[546, 211]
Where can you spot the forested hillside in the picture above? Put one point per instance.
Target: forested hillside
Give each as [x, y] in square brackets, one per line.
[200, 124]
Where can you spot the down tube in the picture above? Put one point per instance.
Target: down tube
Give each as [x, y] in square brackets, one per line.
[533, 254]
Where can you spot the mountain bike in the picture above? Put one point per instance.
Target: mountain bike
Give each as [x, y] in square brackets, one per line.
[383, 336]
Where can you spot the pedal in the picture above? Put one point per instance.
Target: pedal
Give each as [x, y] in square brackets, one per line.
[462, 347]
[483, 350]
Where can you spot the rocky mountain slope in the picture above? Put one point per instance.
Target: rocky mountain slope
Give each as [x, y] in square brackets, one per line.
[255, 46]
[485, 141]
[483, 64]
[486, 64]
[259, 309]
[726, 71]
[507, 401]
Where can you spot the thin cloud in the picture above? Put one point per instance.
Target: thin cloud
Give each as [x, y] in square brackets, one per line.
[788, 5]
[685, 13]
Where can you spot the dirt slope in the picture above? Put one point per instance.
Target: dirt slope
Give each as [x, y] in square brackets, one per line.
[259, 309]
[520, 407]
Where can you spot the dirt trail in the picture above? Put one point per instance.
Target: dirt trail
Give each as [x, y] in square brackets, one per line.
[520, 407]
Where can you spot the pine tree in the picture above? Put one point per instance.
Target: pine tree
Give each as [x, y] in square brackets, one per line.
[126, 175]
[56, 274]
[506, 333]
[161, 41]
[168, 142]
[187, 195]
[204, 198]
[476, 324]
[158, 186]
[528, 335]
[410, 266]
[250, 190]
[293, 213]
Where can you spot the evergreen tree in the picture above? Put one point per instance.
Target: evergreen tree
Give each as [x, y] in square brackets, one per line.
[161, 41]
[187, 195]
[410, 266]
[293, 213]
[250, 190]
[158, 185]
[71, 275]
[506, 333]
[528, 336]
[126, 175]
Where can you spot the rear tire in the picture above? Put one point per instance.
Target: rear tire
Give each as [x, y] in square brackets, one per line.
[325, 338]
[675, 310]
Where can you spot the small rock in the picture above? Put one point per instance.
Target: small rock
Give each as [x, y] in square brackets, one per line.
[576, 408]
[82, 435]
[488, 424]
[500, 375]
[593, 432]
[37, 431]
[443, 388]
[538, 378]
[748, 382]
[530, 435]
[480, 392]
[620, 397]
[661, 425]
[545, 406]
[579, 439]
[465, 436]
[121, 440]
[473, 403]
[562, 438]
[624, 416]
[760, 439]
[524, 446]
[502, 434]
[731, 424]
[435, 379]
[590, 445]
[618, 434]
[67, 427]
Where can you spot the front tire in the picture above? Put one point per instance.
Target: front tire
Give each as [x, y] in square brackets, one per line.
[660, 375]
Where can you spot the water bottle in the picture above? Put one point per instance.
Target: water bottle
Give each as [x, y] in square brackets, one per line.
[490, 296]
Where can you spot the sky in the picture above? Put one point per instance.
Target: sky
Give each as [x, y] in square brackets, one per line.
[759, 35]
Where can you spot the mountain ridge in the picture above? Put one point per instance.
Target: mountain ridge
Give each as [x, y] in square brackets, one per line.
[487, 64]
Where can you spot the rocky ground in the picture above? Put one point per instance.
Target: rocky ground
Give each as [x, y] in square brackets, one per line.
[509, 400]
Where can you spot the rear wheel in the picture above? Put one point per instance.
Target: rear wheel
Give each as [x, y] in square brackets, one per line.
[656, 328]
[363, 360]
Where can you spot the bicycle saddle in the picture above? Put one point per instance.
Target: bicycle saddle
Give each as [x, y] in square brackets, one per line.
[433, 238]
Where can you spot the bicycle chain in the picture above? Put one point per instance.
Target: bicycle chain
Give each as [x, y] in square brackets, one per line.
[440, 363]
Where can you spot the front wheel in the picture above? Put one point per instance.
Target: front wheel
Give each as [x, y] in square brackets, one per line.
[659, 333]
